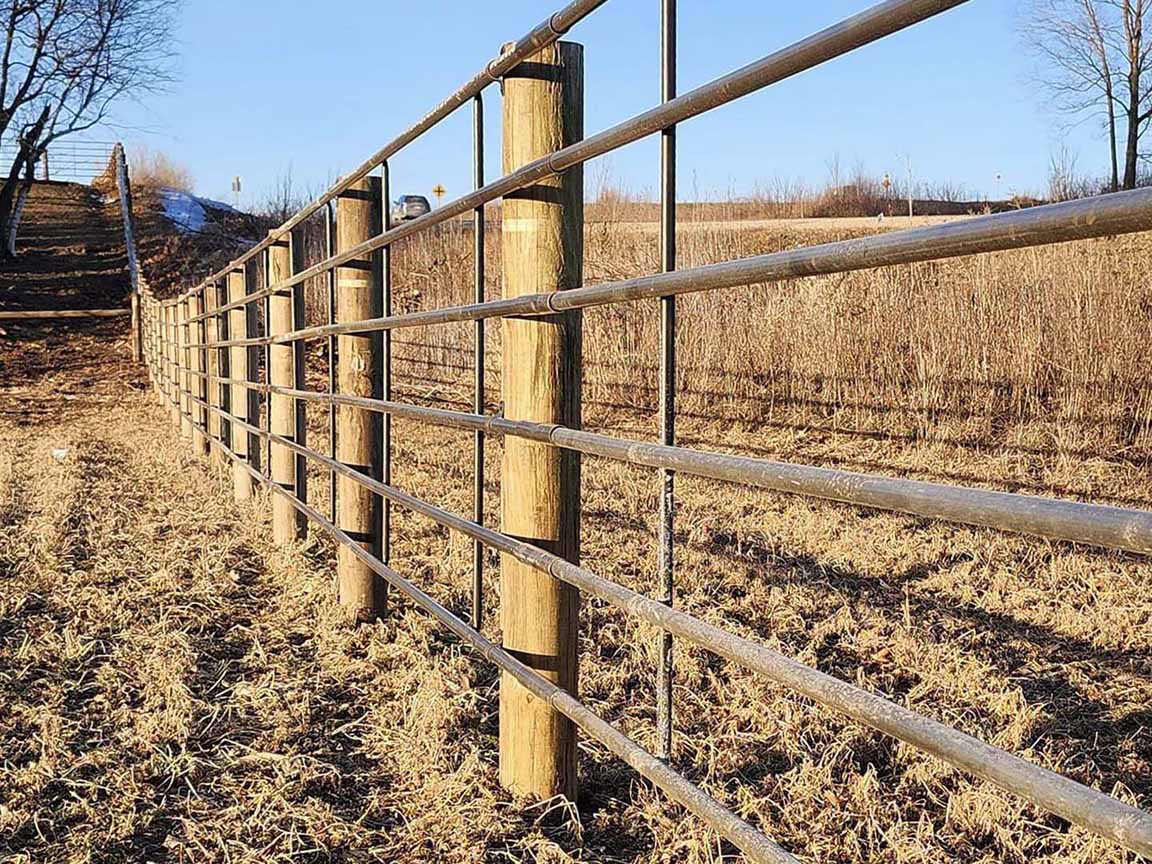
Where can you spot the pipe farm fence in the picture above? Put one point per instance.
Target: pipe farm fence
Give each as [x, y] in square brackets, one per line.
[227, 359]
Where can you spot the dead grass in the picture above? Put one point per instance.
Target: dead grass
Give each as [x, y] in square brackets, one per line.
[176, 689]
[1042, 350]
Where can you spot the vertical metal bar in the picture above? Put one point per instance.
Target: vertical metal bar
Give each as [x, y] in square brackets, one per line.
[667, 372]
[478, 367]
[299, 321]
[386, 380]
[329, 251]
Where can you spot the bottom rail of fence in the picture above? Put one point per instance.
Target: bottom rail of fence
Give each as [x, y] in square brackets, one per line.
[1100, 813]
[753, 843]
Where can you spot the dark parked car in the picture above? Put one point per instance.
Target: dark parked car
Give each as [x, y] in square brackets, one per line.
[410, 207]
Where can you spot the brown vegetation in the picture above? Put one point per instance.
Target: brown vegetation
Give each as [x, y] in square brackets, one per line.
[177, 689]
[1042, 349]
[153, 169]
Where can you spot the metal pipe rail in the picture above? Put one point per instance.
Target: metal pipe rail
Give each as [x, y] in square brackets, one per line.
[1100, 216]
[753, 843]
[179, 365]
[881, 20]
[1094, 810]
[1104, 526]
[542, 35]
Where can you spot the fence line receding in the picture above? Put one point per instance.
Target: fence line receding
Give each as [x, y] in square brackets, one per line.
[235, 386]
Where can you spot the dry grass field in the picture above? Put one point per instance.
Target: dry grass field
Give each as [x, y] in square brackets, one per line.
[175, 689]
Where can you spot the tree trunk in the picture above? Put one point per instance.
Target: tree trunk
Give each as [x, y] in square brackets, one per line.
[1112, 143]
[10, 193]
[1133, 13]
[18, 208]
[1132, 149]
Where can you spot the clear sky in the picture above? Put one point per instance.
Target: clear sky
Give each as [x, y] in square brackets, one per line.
[318, 86]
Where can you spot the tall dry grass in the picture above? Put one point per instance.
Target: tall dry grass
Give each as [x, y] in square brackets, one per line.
[1042, 348]
[154, 169]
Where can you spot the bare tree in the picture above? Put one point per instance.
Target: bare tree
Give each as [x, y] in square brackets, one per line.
[1094, 65]
[64, 65]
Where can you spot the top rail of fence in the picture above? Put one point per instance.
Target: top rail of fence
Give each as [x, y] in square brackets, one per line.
[513, 53]
[873, 24]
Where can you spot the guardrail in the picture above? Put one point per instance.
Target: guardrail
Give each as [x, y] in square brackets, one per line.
[227, 359]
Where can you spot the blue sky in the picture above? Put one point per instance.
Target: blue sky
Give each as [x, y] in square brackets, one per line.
[318, 86]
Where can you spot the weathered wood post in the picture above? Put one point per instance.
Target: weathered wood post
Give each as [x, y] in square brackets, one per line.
[543, 251]
[186, 407]
[359, 372]
[156, 343]
[161, 338]
[219, 395]
[238, 371]
[170, 357]
[195, 333]
[287, 521]
[255, 362]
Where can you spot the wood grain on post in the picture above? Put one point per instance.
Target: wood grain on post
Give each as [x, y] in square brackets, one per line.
[174, 364]
[255, 362]
[359, 372]
[540, 487]
[157, 342]
[182, 354]
[197, 413]
[238, 401]
[296, 242]
[162, 355]
[216, 395]
[287, 526]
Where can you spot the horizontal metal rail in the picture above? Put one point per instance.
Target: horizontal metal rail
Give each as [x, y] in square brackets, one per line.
[1110, 527]
[873, 24]
[544, 34]
[1100, 525]
[1100, 216]
[1102, 814]
[752, 842]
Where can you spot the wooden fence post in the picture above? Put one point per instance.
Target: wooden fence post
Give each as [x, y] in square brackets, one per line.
[156, 343]
[197, 414]
[359, 372]
[216, 367]
[287, 526]
[169, 343]
[543, 249]
[137, 338]
[252, 403]
[160, 341]
[238, 371]
[182, 360]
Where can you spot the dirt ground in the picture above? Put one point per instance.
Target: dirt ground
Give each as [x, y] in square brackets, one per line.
[176, 689]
